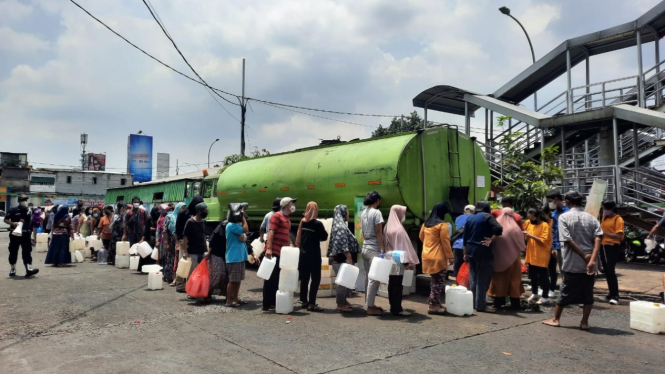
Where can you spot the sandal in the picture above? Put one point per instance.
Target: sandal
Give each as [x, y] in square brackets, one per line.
[315, 308]
[172, 284]
[233, 305]
[438, 312]
[344, 309]
[403, 313]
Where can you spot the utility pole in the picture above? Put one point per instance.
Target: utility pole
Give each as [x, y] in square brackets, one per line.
[84, 142]
[176, 167]
[243, 111]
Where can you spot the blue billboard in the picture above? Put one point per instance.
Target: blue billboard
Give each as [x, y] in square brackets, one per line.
[139, 157]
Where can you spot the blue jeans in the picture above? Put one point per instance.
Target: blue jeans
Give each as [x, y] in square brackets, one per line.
[458, 255]
[480, 275]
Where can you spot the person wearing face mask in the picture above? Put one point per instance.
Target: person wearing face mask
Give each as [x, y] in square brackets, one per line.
[104, 227]
[373, 247]
[343, 248]
[93, 222]
[311, 233]
[134, 223]
[397, 239]
[610, 252]
[116, 231]
[279, 235]
[480, 232]
[507, 275]
[538, 252]
[558, 207]
[194, 244]
[13, 217]
[86, 222]
[437, 254]
[235, 253]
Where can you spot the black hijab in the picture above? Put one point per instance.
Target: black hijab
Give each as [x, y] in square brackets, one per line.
[438, 215]
[192, 205]
[483, 207]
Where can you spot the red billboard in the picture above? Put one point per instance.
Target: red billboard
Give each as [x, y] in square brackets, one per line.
[95, 162]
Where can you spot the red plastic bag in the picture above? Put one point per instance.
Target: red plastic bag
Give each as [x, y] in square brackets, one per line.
[198, 284]
[524, 268]
[463, 275]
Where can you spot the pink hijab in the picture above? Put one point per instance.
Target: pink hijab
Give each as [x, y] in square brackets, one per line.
[396, 236]
[510, 244]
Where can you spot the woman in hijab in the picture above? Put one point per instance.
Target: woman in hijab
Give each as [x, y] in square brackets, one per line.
[480, 232]
[310, 235]
[58, 251]
[397, 239]
[168, 255]
[149, 234]
[437, 254]
[507, 275]
[343, 248]
[182, 217]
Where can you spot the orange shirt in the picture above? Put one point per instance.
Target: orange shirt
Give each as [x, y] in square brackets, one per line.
[611, 225]
[105, 226]
[436, 248]
[538, 254]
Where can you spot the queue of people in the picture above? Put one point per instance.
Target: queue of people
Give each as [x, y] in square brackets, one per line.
[491, 242]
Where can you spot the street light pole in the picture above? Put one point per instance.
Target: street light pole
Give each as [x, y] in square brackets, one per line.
[506, 11]
[216, 140]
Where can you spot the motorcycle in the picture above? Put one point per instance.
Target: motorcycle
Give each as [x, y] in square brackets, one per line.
[633, 243]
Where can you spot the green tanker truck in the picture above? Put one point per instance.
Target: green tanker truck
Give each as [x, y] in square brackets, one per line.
[415, 169]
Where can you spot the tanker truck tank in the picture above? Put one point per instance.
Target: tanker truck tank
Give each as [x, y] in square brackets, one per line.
[340, 173]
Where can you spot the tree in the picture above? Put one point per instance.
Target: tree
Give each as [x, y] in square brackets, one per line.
[526, 179]
[399, 125]
[255, 152]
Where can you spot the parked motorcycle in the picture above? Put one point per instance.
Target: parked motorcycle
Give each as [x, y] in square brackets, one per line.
[633, 243]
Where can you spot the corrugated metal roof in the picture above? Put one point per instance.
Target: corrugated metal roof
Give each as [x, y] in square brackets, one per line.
[551, 66]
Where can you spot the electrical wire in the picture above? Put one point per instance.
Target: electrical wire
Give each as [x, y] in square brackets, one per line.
[217, 89]
[321, 110]
[161, 26]
[314, 115]
[146, 53]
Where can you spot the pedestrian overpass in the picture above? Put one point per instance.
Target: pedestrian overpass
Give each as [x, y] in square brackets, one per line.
[610, 130]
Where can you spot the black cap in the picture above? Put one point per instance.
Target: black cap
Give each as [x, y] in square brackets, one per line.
[23, 197]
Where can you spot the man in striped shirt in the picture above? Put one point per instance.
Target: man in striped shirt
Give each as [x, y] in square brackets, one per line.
[279, 236]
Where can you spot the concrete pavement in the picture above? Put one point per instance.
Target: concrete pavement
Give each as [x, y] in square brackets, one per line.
[89, 318]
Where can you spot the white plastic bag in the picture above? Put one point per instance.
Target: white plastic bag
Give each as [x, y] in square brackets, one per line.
[18, 231]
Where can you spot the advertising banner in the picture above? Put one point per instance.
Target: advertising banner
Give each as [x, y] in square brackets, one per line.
[96, 161]
[139, 157]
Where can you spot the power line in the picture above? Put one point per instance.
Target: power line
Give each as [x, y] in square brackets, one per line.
[321, 110]
[146, 53]
[217, 89]
[161, 26]
[314, 115]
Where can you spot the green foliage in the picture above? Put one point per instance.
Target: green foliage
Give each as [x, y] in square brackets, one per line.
[399, 125]
[526, 180]
[255, 152]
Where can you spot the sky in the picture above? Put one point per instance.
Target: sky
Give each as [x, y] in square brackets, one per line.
[63, 74]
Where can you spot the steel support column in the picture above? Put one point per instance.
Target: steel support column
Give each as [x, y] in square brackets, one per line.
[640, 73]
[659, 94]
[467, 120]
[588, 81]
[617, 169]
[636, 152]
[563, 147]
[569, 92]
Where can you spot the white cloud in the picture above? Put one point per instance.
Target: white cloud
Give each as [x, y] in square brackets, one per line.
[11, 41]
[370, 56]
[12, 10]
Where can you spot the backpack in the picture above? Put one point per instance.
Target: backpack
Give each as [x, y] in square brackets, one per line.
[457, 234]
